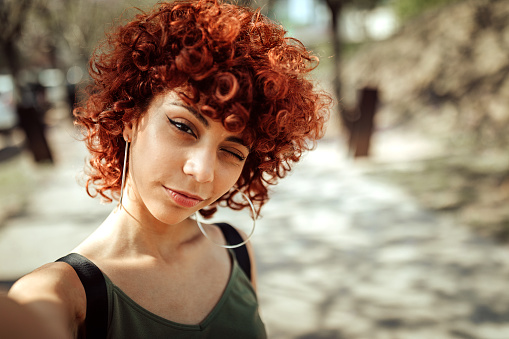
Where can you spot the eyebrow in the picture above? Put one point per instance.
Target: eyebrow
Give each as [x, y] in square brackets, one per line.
[194, 112]
[239, 141]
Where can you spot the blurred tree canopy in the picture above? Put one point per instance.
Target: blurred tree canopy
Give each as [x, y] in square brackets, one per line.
[61, 33]
[52, 33]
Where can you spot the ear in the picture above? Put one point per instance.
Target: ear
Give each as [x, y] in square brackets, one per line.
[128, 131]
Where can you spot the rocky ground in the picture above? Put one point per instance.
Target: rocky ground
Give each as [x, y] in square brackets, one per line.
[446, 70]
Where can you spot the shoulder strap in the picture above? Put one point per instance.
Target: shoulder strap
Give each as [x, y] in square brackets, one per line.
[232, 236]
[96, 321]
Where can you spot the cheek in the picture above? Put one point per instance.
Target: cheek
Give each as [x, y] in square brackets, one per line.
[227, 178]
[146, 158]
[152, 145]
[155, 162]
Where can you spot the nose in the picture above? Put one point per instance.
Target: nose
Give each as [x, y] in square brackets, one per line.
[200, 164]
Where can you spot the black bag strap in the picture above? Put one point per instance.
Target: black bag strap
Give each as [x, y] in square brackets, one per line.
[232, 236]
[96, 321]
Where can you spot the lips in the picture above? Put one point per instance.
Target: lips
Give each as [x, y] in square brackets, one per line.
[184, 199]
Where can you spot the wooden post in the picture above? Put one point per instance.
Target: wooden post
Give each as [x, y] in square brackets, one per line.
[361, 129]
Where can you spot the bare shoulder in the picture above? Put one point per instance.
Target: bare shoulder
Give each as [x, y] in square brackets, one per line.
[55, 280]
[54, 292]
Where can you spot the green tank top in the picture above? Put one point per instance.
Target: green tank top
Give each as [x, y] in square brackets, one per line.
[234, 316]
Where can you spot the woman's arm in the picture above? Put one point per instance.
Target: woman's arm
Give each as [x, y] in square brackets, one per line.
[52, 298]
[19, 321]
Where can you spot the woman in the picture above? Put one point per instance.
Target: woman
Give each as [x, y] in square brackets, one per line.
[193, 105]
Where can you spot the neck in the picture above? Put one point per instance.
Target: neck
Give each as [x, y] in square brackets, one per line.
[131, 236]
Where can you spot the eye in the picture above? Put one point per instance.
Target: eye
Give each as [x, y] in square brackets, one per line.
[234, 153]
[182, 127]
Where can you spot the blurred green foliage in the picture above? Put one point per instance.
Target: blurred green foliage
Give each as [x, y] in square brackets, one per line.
[407, 9]
[363, 4]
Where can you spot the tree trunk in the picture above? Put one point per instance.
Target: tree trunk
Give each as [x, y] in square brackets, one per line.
[336, 7]
[28, 116]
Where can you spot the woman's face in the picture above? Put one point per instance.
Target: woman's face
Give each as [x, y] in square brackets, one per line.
[180, 161]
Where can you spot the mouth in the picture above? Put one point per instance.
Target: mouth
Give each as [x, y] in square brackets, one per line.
[184, 199]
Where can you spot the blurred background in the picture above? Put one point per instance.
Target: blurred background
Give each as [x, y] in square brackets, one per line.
[396, 226]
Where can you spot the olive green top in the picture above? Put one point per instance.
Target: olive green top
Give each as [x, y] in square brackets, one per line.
[234, 316]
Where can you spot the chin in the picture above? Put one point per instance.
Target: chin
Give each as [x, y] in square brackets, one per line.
[170, 216]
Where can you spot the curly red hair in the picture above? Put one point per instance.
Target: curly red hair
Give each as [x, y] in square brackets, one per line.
[237, 64]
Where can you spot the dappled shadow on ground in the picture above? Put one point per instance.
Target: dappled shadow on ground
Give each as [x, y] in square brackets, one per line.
[325, 334]
[341, 255]
[473, 189]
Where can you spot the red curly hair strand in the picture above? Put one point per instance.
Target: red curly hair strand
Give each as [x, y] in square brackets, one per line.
[233, 62]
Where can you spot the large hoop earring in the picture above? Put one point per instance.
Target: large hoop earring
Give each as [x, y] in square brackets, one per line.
[122, 184]
[202, 229]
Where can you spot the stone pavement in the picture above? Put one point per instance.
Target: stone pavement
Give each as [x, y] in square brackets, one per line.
[339, 254]
[343, 256]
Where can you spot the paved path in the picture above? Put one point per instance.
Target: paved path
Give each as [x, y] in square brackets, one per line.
[339, 255]
[343, 256]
